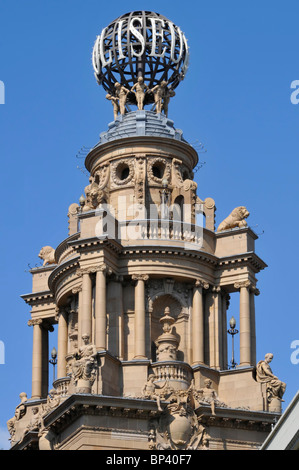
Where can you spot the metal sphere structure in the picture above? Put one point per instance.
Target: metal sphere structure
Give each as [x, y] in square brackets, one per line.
[140, 44]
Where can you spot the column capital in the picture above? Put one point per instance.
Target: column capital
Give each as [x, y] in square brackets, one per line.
[202, 283]
[34, 321]
[77, 289]
[140, 277]
[247, 284]
[93, 269]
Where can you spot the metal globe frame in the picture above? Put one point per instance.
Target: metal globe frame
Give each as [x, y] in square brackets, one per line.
[127, 61]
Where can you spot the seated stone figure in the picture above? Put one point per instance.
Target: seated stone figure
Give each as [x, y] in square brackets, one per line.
[264, 374]
[84, 366]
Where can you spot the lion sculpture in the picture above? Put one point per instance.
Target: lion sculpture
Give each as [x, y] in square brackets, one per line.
[47, 253]
[235, 219]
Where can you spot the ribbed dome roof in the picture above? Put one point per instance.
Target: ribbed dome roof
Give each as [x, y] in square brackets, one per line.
[141, 123]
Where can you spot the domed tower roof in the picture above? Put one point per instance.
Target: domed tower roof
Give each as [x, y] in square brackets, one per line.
[141, 123]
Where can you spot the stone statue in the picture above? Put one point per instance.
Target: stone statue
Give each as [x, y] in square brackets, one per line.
[264, 374]
[207, 395]
[159, 92]
[20, 411]
[94, 195]
[140, 89]
[47, 253]
[149, 391]
[85, 364]
[169, 93]
[115, 104]
[53, 400]
[121, 94]
[21, 408]
[235, 219]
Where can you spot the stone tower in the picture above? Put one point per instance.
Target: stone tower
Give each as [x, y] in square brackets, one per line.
[140, 287]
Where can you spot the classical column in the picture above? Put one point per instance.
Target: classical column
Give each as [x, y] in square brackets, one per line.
[245, 323]
[140, 346]
[253, 292]
[100, 308]
[62, 342]
[78, 291]
[37, 358]
[198, 322]
[86, 303]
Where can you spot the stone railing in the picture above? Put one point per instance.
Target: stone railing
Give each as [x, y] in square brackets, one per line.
[178, 374]
[62, 386]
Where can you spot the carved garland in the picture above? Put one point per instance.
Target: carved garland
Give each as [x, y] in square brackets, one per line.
[115, 166]
[167, 170]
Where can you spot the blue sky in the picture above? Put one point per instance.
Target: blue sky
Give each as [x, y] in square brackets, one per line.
[235, 100]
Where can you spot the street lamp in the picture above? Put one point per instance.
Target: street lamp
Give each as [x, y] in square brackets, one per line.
[53, 361]
[232, 331]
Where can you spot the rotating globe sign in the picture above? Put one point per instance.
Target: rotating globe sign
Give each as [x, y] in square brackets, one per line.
[140, 48]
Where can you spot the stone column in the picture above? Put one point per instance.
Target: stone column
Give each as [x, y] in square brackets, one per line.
[245, 323]
[36, 358]
[62, 342]
[140, 347]
[86, 304]
[254, 291]
[78, 291]
[198, 322]
[100, 308]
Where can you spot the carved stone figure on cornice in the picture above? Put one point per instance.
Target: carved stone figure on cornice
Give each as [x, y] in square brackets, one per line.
[35, 422]
[94, 195]
[47, 253]
[235, 219]
[84, 367]
[149, 391]
[21, 408]
[53, 400]
[207, 395]
[264, 374]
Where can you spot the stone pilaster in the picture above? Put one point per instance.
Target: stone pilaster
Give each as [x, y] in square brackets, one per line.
[62, 343]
